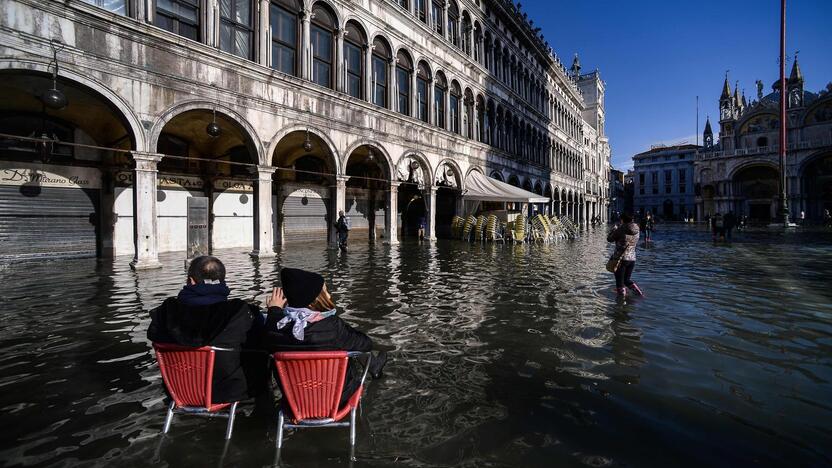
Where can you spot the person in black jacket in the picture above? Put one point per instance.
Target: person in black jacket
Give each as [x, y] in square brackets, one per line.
[302, 317]
[202, 315]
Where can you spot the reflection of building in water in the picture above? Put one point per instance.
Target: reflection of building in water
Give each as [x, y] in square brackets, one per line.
[740, 172]
[281, 113]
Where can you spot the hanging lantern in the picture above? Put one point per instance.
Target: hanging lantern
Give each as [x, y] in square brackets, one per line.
[213, 129]
[54, 98]
[307, 143]
[371, 157]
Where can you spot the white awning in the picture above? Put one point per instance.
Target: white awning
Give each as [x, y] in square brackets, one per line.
[478, 187]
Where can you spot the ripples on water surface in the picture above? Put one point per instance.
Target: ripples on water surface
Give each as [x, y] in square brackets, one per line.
[503, 356]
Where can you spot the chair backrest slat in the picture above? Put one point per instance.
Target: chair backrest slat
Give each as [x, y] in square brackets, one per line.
[313, 381]
[187, 373]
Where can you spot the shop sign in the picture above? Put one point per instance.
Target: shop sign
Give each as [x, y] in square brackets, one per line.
[234, 185]
[197, 226]
[43, 175]
[169, 181]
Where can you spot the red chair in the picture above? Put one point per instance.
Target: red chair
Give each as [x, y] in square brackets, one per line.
[187, 373]
[312, 382]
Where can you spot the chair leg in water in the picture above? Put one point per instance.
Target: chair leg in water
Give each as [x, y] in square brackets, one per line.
[280, 429]
[231, 414]
[168, 418]
[352, 434]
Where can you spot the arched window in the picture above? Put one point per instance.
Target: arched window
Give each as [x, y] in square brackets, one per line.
[453, 23]
[456, 95]
[466, 33]
[468, 121]
[478, 55]
[381, 57]
[237, 27]
[486, 55]
[355, 45]
[480, 122]
[506, 66]
[404, 70]
[437, 16]
[323, 44]
[489, 123]
[422, 10]
[500, 128]
[179, 17]
[283, 21]
[422, 82]
[498, 60]
[440, 90]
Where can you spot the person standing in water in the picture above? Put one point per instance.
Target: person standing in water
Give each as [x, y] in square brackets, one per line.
[343, 228]
[647, 227]
[625, 237]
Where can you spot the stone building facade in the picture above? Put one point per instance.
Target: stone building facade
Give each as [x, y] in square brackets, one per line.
[741, 171]
[663, 182]
[282, 113]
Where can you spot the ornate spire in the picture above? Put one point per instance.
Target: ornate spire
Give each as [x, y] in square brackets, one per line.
[796, 75]
[726, 88]
[576, 66]
[708, 130]
[737, 93]
[744, 101]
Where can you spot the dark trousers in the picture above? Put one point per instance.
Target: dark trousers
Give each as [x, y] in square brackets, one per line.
[623, 273]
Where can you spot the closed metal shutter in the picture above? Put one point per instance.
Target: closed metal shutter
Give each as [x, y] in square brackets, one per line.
[305, 218]
[47, 222]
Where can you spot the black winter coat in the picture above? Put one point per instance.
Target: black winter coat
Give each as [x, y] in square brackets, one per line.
[229, 324]
[329, 334]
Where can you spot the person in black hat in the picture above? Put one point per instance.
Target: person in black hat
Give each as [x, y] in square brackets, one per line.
[302, 317]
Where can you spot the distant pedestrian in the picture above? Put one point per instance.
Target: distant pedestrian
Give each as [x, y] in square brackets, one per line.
[827, 218]
[422, 225]
[718, 226]
[623, 259]
[729, 221]
[802, 217]
[342, 226]
[647, 224]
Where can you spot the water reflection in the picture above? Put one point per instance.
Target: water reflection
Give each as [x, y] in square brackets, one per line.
[504, 355]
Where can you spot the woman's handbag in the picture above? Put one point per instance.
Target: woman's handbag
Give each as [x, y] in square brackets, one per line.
[614, 262]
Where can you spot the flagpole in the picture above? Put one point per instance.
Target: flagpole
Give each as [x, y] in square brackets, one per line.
[784, 203]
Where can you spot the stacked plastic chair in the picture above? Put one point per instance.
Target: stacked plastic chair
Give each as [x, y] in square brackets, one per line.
[456, 226]
[467, 227]
[519, 229]
[478, 234]
[491, 229]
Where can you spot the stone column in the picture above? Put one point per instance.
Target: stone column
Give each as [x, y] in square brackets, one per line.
[368, 73]
[263, 224]
[263, 34]
[144, 211]
[211, 27]
[445, 32]
[306, 56]
[470, 40]
[339, 204]
[432, 113]
[340, 64]
[392, 86]
[414, 95]
[430, 193]
[392, 215]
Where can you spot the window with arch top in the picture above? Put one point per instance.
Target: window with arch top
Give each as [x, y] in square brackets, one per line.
[422, 83]
[355, 45]
[453, 23]
[180, 17]
[456, 95]
[404, 70]
[283, 27]
[440, 92]
[437, 16]
[381, 57]
[322, 42]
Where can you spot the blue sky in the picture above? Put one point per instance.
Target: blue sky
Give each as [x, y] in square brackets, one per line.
[657, 56]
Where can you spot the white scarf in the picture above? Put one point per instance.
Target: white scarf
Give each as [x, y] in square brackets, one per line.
[300, 316]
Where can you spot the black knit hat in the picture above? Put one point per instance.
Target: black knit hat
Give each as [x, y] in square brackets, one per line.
[300, 287]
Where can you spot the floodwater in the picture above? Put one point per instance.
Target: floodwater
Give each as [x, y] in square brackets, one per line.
[502, 355]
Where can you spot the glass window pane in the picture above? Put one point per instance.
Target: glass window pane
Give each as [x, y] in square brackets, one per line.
[225, 38]
[244, 12]
[354, 86]
[165, 5]
[225, 8]
[188, 31]
[243, 43]
[322, 76]
[188, 12]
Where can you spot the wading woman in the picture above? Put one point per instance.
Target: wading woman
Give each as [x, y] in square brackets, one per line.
[623, 259]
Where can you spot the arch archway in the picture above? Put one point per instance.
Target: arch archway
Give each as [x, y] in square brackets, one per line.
[448, 183]
[60, 199]
[307, 166]
[369, 169]
[415, 174]
[755, 191]
[816, 186]
[200, 164]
